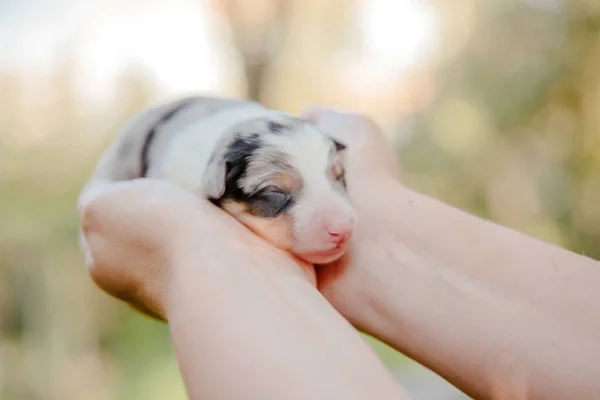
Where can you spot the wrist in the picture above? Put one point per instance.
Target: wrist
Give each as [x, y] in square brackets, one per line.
[379, 201]
[392, 266]
[182, 254]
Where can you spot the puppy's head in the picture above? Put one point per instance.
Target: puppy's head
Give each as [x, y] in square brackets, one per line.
[284, 179]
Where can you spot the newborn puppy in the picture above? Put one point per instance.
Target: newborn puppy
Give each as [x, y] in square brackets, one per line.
[277, 174]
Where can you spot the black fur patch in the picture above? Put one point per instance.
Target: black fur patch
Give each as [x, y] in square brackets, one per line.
[338, 145]
[277, 128]
[269, 202]
[150, 136]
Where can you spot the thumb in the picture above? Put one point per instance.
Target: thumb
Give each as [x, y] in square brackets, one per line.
[333, 122]
[318, 113]
[313, 113]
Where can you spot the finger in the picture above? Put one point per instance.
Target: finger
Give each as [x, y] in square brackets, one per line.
[90, 192]
[316, 113]
[329, 121]
[85, 249]
[313, 113]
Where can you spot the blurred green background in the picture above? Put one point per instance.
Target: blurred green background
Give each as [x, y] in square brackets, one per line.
[494, 107]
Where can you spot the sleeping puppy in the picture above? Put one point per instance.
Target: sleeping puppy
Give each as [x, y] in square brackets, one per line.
[277, 174]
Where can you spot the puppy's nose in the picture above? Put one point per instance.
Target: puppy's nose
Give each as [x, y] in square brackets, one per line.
[340, 230]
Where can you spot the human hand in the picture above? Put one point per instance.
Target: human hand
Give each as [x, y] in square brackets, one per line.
[134, 232]
[221, 288]
[372, 175]
[370, 153]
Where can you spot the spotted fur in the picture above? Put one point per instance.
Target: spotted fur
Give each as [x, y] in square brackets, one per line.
[277, 174]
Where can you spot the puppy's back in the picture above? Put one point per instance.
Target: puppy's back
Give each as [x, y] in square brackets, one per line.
[145, 136]
[185, 159]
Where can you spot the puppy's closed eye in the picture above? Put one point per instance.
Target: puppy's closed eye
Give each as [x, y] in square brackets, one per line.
[337, 171]
[269, 202]
[275, 196]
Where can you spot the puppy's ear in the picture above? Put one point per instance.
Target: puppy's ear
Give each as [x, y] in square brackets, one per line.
[230, 156]
[214, 180]
[213, 184]
[339, 146]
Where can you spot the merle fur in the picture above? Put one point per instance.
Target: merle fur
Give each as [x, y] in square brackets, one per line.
[269, 202]
[277, 128]
[151, 135]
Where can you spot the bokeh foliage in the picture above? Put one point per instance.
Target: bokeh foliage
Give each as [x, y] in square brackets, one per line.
[509, 130]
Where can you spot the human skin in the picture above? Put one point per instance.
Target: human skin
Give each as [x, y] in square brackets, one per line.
[498, 314]
[246, 319]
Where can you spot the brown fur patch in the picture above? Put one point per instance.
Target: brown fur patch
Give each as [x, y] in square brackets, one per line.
[287, 181]
[336, 170]
[278, 231]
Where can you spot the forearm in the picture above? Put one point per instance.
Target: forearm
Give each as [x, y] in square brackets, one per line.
[497, 313]
[242, 334]
[246, 319]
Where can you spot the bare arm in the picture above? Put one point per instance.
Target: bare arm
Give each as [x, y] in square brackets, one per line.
[246, 319]
[248, 336]
[499, 314]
